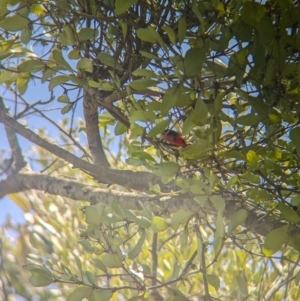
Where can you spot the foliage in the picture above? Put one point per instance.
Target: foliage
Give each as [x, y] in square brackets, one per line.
[220, 221]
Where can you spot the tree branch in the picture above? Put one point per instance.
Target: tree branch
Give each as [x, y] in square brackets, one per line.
[132, 180]
[16, 151]
[92, 131]
[79, 192]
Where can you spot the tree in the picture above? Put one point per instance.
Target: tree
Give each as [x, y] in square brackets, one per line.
[215, 220]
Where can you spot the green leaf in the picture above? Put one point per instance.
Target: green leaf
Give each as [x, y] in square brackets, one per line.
[142, 156]
[57, 80]
[31, 66]
[196, 151]
[219, 225]
[141, 84]
[85, 64]
[121, 6]
[219, 203]
[213, 280]
[249, 119]
[93, 215]
[159, 128]
[171, 33]
[193, 61]
[242, 284]
[87, 33]
[218, 102]
[252, 159]
[120, 128]
[168, 169]
[233, 154]
[200, 113]
[142, 222]
[201, 199]
[74, 54]
[14, 23]
[144, 72]
[67, 36]
[294, 136]
[124, 27]
[288, 213]
[275, 240]
[47, 74]
[76, 80]
[159, 224]
[63, 99]
[181, 29]
[149, 55]
[79, 293]
[180, 217]
[22, 82]
[87, 246]
[259, 195]
[141, 115]
[98, 264]
[40, 278]
[66, 108]
[237, 219]
[26, 34]
[59, 59]
[135, 251]
[108, 60]
[252, 12]
[250, 177]
[90, 277]
[147, 34]
[103, 295]
[112, 260]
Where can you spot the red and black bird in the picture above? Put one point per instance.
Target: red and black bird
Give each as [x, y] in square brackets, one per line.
[173, 138]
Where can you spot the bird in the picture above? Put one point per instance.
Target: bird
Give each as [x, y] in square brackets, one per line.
[173, 138]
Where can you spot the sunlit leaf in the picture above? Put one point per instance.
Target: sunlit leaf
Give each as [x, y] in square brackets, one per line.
[85, 64]
[14, 23]
[59, 59]
[141, 84]
[134, 252]
[237, 219]
[159, 224]
[122, 5]
[31, 66]
[288, 213]
[213, 280]
[112, 260]
[275, 240]
[57, 80]
[242, 284]
[180, 217]
[181, 29]
[102, 294]
[144, 72]
[79, 293]
[109, 60]
[87, 33]
[170, 33]
[99, 264]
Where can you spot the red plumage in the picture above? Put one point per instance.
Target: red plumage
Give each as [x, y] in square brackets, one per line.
[173, 138]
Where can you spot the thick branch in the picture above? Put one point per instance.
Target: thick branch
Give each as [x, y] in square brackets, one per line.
[15, 183]
[92, 131]
[127, 178]
[17, 155]
[80, 192]
[113, 110]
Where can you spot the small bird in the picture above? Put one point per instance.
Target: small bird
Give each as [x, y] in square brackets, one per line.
[173, 138]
